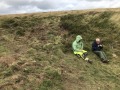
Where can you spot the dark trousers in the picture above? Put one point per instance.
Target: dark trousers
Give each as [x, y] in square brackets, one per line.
[101, 54]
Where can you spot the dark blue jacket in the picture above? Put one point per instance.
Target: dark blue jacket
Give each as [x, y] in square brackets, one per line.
[96, 47]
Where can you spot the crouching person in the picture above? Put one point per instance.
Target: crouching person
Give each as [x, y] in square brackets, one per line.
[77, 46]
[97, 48]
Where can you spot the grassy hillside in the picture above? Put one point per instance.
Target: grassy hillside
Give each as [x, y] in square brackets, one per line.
[36, 54]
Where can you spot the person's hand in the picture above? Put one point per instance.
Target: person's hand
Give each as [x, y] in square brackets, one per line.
[80, 50]
[100, 45]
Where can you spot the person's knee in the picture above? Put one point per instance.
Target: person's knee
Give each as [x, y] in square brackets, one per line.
[101, 53]
[84, 51]
[78, 53]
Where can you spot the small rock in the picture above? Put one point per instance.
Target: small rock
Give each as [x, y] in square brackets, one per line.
[114, 55]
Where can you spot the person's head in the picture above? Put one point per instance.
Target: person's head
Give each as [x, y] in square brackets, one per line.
[78, 38]
[98, 41]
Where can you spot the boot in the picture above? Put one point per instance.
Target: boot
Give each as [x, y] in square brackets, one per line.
[105, 61]
[84, 55]
[90, 61]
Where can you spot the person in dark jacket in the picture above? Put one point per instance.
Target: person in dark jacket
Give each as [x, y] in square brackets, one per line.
[97, 48]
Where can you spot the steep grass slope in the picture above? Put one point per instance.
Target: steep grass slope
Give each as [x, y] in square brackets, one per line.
[36, 54]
